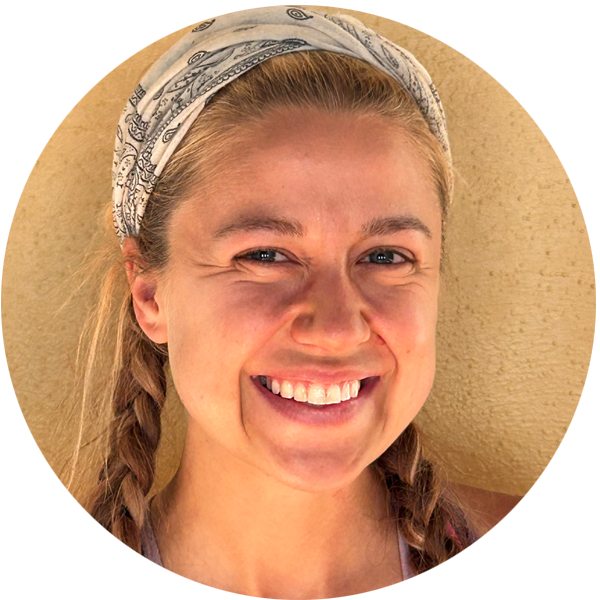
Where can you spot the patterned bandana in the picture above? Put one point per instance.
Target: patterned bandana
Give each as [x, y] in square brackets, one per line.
[177, 87]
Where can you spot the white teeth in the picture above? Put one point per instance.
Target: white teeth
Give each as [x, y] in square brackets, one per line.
[346, 391]
[300, 393]
[334, 395]
[287, 390]
[316, 393]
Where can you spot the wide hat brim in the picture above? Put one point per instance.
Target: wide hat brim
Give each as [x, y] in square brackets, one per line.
[516, 311]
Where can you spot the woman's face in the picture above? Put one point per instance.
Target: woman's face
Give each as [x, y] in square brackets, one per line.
[312, 260]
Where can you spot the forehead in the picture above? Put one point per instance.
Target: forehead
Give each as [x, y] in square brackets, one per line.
[318, 169]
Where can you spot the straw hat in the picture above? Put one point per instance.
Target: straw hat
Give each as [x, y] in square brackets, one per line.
[516, 310]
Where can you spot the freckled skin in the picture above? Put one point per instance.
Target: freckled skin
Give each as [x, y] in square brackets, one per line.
[322, 305]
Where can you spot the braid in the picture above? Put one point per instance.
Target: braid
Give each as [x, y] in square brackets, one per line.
[119, 502]
[434, 527]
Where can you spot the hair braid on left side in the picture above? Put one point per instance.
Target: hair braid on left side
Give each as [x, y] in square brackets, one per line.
[120, 499]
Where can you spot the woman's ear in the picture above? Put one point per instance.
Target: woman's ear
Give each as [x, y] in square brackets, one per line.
[149, 309]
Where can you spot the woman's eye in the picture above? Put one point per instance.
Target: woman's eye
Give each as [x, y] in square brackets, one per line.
[264, 255]
[383, 256]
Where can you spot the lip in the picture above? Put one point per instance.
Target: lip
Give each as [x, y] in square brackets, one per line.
[320, 415]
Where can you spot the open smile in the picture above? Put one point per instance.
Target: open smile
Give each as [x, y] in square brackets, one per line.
[327, 410]
[313, 393]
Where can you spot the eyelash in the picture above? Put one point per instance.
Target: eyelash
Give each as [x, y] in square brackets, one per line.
[406, 258]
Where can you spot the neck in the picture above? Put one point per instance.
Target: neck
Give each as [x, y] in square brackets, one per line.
[227, 524]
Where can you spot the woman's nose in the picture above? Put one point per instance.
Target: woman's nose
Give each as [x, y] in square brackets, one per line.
[331, 315]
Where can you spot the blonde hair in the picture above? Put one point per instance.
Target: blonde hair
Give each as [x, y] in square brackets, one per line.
[432, 525]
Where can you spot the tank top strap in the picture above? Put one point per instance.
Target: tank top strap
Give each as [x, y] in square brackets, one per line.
[149, 544]
[405, 562]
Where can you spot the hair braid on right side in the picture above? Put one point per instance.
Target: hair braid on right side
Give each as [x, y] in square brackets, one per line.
[119, 502]
[434, 527]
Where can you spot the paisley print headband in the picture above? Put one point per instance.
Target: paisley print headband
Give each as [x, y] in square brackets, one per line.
[177, 87]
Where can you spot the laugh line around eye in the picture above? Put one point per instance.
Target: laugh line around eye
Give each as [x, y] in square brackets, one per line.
[389, 256]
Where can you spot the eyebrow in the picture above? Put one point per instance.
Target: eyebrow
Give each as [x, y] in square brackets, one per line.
[254, 223]
[283, 226]
[388, 225]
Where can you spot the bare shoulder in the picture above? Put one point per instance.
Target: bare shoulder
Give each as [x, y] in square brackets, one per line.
[485, 508]
[516, 547]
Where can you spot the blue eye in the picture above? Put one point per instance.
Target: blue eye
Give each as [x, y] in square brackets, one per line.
[380, 256]
[384, 256]
[264, 255]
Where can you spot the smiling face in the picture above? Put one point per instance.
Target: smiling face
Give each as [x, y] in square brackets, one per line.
[313, 260]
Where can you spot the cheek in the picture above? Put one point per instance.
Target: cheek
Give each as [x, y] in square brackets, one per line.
[405, 319]
[213, 330]
[246, 314]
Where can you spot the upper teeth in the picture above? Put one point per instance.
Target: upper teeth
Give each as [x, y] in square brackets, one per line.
[313, 393]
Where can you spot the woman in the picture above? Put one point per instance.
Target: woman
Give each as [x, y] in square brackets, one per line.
[281, 182]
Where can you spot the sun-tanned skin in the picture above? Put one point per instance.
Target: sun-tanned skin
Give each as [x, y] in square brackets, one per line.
[281, 502]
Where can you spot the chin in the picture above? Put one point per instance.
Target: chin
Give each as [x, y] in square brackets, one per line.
[318, 471]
